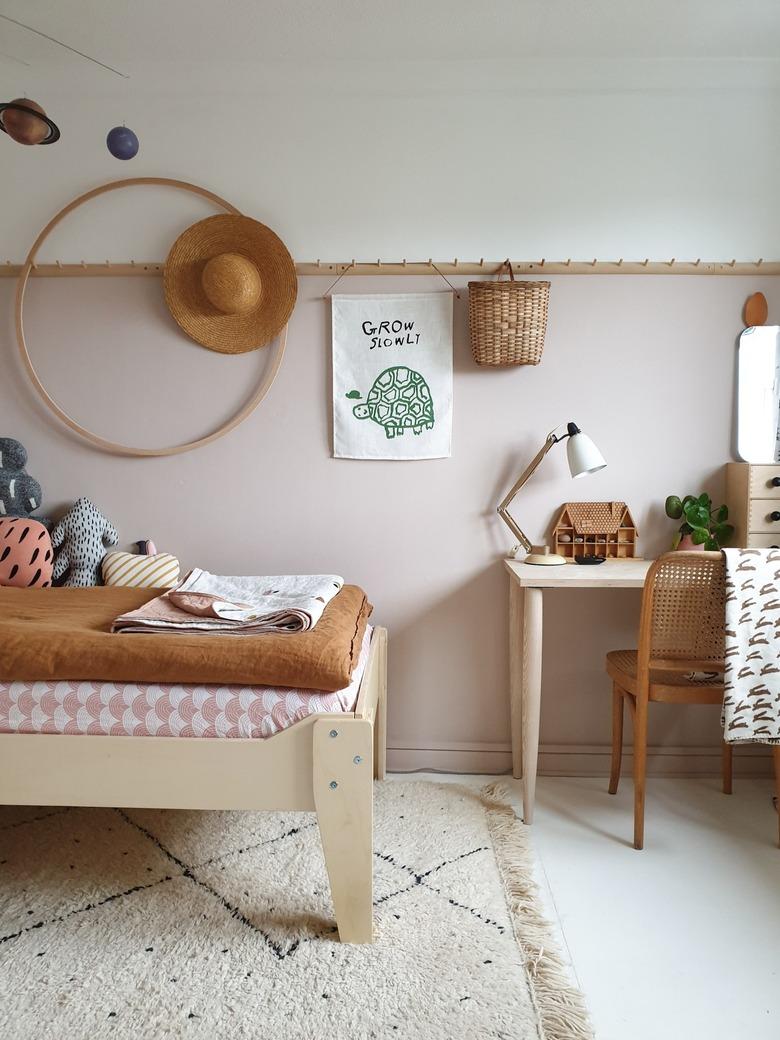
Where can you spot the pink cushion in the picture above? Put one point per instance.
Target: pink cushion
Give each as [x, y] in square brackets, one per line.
[26, 555]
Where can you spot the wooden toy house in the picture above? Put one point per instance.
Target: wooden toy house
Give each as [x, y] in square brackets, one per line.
[597, 529]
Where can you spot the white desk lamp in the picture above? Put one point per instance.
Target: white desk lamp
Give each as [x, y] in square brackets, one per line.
[584, 458]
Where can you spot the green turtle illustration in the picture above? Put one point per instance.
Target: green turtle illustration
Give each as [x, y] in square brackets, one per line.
[399, 400]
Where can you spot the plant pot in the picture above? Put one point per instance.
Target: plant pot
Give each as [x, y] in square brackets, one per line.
[687, 544]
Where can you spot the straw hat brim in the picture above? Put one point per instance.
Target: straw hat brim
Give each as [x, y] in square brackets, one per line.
[191, 308]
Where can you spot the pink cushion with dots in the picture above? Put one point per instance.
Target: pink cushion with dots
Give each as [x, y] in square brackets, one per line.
[26, 555]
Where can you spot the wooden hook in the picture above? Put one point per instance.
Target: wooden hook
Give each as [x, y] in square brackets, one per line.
[593, 262]
[620, 262]
[733, 262]
[482, 261]
[646, 261]
[403, 262]
[455, 262]
[671, 262]
[760, 261]
[59, 264]
[541, 262]
[84, 264]
[568, 262]
[697, 261]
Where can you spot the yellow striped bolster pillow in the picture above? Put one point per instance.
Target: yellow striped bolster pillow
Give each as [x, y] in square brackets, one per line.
[141, 572]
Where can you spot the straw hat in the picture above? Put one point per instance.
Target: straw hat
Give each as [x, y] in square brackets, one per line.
[230, 283]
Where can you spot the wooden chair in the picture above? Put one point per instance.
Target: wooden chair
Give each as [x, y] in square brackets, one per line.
[681, 630]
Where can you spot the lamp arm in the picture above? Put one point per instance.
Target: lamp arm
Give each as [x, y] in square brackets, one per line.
[503, 509]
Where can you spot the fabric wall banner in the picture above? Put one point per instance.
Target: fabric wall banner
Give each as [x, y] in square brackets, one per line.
[392, 376]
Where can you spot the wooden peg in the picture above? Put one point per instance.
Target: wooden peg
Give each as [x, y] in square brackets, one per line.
[593, 262]
[482, 261]
[84, 264]
[733, 262]
[541, 262]
[646, 261]
[318, 263]
[671, 262]
[620, 262]
[59, 264]
[34, 266]
[455, 262]
[379, 263]
[568, 262]
[108, 263]
[404, 262]
[430, 261]
[697, 261]
[760, 261]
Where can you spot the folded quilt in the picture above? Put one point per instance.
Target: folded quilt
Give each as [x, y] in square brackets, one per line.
[751, 705]
[205, 602]
[65, 633]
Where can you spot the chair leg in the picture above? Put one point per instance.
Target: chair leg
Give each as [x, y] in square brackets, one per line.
[776, 757]
[617, 738]
[640, 770]
[728, 756]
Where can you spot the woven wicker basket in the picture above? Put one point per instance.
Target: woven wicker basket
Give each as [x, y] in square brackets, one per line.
[508, 320]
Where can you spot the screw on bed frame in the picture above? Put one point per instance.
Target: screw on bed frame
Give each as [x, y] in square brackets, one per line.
[334, 733]
[357, 760]
[333, 785]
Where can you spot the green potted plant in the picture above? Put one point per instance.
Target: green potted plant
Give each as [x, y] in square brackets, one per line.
[702, 526]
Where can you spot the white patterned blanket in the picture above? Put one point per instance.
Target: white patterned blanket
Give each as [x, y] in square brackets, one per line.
[751, 705]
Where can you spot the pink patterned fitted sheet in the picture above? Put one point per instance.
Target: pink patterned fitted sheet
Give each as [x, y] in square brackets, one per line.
[166, 710]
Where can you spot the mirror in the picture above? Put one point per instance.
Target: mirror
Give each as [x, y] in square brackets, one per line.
[758, 397]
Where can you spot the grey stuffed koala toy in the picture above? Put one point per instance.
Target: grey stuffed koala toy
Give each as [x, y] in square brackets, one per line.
[84, 534]
[20, 494]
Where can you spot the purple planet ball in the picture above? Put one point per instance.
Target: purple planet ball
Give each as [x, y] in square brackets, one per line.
[122, 142]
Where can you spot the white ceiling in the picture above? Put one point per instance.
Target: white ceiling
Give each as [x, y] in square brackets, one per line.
[182, 41]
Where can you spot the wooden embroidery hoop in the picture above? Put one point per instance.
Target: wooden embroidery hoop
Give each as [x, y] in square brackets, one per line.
[115, 448]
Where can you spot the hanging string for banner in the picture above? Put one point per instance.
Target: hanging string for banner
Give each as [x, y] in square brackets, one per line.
[349, 267]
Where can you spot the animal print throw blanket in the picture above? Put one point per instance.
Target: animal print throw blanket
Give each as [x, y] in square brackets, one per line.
[751, 705]
[205, 602]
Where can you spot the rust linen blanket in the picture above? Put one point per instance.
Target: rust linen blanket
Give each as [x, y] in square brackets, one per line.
[65, 633]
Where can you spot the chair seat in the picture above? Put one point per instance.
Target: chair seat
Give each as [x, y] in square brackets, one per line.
[665, 684]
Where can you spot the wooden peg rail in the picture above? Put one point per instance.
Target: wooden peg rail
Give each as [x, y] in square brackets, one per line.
[154, 268]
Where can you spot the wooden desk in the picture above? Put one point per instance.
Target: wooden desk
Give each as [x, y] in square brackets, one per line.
[526, 584]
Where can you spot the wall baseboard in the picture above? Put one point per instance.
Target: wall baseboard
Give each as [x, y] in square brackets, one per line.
[577, 760]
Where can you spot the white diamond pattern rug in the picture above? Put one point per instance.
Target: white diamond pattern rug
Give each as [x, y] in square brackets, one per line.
[150, 924]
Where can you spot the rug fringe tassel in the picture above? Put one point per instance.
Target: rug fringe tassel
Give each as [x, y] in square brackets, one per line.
[559, 1004]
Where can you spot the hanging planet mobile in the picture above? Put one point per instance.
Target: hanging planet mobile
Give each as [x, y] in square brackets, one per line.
[26, 123]
[122, 142]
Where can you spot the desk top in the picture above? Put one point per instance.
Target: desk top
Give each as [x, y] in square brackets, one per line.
[612, 574]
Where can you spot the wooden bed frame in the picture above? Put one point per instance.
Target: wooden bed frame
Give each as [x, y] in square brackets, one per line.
[325, 763]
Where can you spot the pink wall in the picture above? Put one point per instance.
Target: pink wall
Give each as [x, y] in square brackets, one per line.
[644, 364]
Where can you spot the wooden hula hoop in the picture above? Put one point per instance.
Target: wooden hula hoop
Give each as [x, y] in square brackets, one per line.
[101, 442]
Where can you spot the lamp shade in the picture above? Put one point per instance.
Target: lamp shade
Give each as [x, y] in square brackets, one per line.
[583, 455]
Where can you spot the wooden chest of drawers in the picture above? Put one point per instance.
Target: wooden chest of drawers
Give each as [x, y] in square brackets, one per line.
[753, 498]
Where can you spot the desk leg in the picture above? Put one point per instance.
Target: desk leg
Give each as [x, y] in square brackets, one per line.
[531, 695]
[516, 597]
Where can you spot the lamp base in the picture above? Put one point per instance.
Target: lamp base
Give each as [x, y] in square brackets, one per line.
[545, 558]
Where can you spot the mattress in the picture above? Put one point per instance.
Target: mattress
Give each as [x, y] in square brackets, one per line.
[167, 710]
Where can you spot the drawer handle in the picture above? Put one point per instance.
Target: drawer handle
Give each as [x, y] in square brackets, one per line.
[775, 482]
[775, 515]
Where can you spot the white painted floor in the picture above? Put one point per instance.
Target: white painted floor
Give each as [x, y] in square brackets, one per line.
[682, 940]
